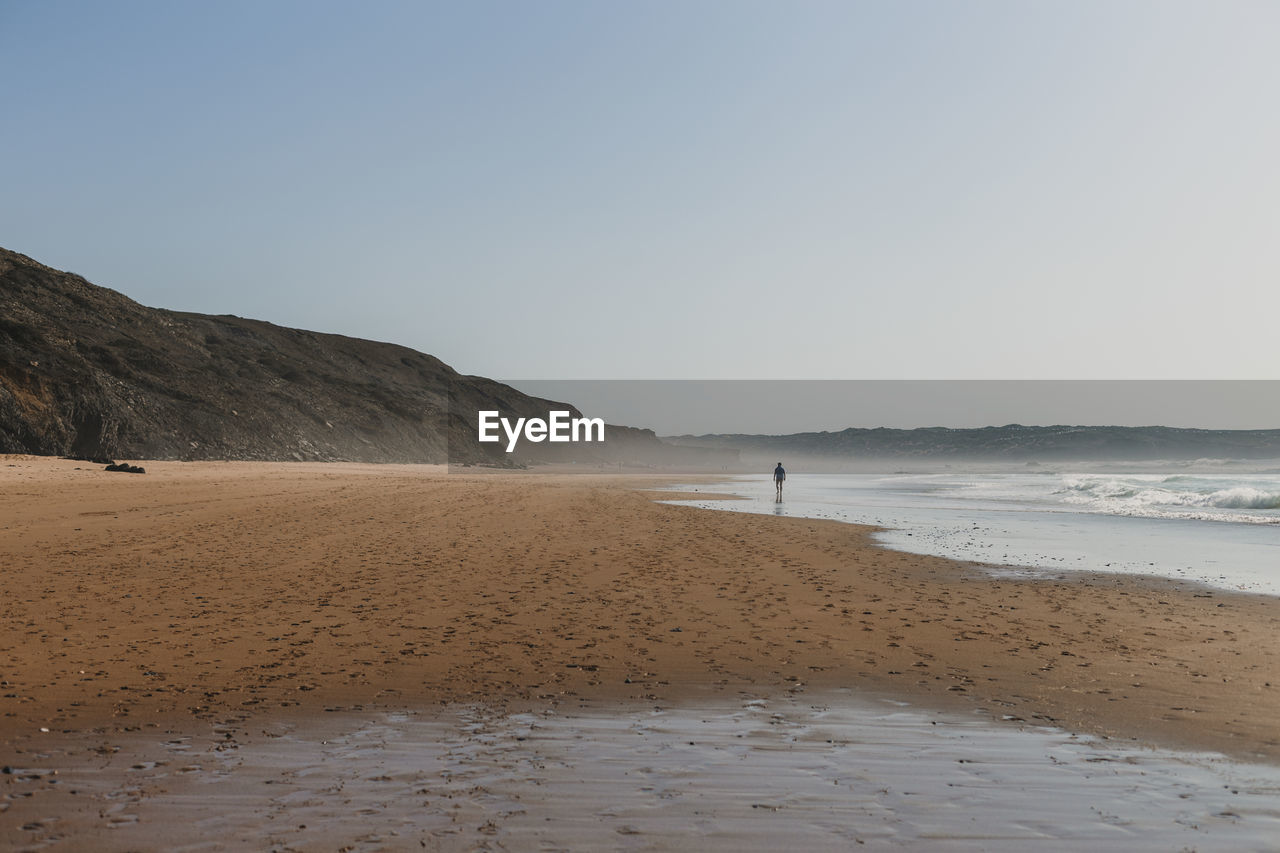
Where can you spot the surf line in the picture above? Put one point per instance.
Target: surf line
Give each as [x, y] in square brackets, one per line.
[559, 426]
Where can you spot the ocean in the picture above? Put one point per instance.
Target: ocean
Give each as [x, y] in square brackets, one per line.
[1215, 522]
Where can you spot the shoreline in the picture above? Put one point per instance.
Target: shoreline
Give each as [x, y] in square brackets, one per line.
[300, 588]
[1037, 535]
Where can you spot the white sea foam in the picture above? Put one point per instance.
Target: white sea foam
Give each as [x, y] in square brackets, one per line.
[1196, 523]
[1181, 496]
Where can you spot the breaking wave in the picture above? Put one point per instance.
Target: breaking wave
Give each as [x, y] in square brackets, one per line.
[1176, 497]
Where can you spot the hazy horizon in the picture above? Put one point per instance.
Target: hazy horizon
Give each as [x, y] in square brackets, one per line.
[785, 407]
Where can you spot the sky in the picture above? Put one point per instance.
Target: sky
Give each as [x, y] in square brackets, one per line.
[672, 190]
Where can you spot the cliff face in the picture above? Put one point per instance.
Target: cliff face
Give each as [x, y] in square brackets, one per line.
[85, 371]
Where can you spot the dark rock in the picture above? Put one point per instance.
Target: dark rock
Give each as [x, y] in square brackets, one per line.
[88, 373]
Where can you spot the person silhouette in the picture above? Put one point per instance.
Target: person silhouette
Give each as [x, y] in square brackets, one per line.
[779, 474]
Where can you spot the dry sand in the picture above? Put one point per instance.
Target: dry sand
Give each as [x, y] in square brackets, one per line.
[228, 595]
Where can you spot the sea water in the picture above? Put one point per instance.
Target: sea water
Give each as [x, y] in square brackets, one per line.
[1215, 522]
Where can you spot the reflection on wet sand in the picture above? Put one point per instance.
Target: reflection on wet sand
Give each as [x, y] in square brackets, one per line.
[822, 771]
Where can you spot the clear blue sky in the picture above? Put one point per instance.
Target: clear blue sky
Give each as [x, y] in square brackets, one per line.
[672, 189]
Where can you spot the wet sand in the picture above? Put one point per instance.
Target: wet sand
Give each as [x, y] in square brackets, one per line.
[205, 597]
[824, 771]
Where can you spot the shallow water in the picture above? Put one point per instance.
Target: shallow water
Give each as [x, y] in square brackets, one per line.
[1033, 521]
[806, 772]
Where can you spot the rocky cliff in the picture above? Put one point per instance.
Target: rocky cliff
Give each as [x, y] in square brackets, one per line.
[86, 371]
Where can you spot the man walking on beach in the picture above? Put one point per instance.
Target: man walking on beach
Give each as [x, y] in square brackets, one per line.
[779, 474]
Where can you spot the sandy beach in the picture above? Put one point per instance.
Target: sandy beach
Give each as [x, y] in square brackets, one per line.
[237, 597]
